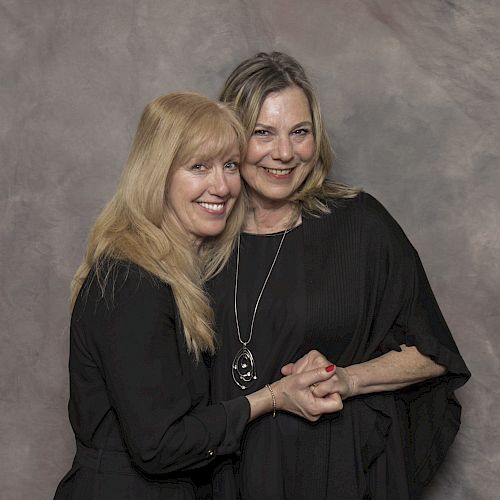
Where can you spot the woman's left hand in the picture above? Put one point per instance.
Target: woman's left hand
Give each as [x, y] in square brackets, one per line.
[341, 383]
[389, 372]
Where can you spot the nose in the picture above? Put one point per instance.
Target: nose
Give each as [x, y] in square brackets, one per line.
[219, 185]
[283, 149]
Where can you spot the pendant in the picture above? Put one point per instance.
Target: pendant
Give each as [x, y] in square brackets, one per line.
[243, 369]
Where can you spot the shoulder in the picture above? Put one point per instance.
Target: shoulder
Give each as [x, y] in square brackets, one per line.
[114, 284]
[363, 202]
[368, 216]
[120, 277]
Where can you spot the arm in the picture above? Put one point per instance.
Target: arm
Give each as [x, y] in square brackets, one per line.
[156, 391]
[391, 371]
[159, 394]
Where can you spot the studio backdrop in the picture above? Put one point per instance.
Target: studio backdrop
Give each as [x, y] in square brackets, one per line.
[410, 94]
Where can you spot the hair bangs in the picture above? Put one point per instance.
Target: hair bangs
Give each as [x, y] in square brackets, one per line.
[212, 135]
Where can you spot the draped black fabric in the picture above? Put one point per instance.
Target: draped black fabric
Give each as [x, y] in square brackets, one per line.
[365, 293]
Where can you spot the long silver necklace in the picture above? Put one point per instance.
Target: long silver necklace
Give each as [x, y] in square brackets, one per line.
[243, 366]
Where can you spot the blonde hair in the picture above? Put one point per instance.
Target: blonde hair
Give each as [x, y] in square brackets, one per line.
[137, 226]
[246, 89]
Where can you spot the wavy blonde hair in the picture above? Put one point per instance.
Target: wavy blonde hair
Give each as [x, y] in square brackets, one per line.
[246, 89]
[137, 225]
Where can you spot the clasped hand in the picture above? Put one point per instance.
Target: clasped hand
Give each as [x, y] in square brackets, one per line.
[336, 388]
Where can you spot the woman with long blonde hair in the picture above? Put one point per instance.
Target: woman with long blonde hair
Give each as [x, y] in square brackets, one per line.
[142, 323]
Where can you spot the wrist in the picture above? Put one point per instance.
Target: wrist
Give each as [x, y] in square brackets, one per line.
[353, 381]
[276, 387]
[273, 399]
[260, 403]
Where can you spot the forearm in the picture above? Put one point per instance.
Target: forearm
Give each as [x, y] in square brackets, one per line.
[391, 371]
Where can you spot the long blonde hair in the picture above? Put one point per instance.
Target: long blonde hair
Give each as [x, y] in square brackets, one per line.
[136, 225]
[246, 89]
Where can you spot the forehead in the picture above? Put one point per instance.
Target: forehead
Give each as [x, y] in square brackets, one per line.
[290, 104]
[220, 139]
[217, 148]
[221, 144]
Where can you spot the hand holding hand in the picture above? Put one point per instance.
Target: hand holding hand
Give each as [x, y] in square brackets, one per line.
[341, 385]
[297, 393]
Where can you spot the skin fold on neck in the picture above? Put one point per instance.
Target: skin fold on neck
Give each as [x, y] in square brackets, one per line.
[271, 217]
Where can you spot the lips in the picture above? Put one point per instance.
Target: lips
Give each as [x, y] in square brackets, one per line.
[279, 171]
[214, 208]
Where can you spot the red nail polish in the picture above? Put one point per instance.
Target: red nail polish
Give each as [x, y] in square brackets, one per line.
[330, 368]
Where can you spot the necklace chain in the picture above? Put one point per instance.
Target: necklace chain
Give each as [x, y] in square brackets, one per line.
[244, 356]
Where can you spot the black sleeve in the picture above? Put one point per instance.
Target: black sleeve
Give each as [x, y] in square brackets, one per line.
[152, 384]
[429, 411]
[406, 300]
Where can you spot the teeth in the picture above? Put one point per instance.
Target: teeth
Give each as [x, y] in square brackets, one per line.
[216, 207]
[275, 171]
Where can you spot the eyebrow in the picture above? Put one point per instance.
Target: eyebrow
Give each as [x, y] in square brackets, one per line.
[297, 125]
[207, 159]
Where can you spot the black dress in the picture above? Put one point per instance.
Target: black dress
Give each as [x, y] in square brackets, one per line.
[139, 403]
[350, 285]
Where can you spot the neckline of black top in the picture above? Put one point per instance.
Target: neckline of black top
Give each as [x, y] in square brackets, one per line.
[266, 235]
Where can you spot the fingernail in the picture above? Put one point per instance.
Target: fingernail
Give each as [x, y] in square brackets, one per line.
[330, 368]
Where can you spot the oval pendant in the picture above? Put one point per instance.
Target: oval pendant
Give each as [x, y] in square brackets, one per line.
[243, 368]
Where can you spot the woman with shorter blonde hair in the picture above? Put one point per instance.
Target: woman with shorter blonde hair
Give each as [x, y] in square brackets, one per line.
[320, 265]
[142, 324]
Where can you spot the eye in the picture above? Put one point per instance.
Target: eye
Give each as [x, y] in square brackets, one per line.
[260, 132]
[232, 165]
[198, 167]
[301, 131]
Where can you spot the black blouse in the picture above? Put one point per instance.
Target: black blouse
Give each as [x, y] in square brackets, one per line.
[277, 337]
[350, 285]
[135, 389]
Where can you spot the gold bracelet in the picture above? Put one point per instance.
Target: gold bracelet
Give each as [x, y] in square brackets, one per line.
[274, 399]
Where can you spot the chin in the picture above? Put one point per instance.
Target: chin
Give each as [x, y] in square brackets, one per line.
[210, 232]
[278, 194]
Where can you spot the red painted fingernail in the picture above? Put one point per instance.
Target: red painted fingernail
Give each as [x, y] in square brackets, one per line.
[330, 368]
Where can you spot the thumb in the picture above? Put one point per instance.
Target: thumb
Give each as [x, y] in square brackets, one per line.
[329, 404]
[318, 375]
[287, 369]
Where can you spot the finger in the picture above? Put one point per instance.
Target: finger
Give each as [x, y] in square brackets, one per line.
[330, 404]
[311, 377]
[312, 387]
[287, 369]
[316, 359]
[322, 389]
[335, 396]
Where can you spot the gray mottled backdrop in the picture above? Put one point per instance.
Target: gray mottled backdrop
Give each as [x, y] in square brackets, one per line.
[410, 93]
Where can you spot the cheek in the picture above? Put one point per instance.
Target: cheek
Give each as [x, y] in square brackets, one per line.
[307, 150]
[254, 152]
[234, 183]
[247, 171]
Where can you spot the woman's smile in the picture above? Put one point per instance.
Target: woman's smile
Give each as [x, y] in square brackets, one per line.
[218, 208]
[279, 173]
[281, 148]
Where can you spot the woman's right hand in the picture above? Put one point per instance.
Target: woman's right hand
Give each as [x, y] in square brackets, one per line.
[295, 394]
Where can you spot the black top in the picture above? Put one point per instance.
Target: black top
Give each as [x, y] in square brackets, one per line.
[280, 318]
[135, 389]
[350, 285]
[278, 335]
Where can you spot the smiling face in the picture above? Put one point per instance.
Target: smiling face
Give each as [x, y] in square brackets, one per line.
[281, 148]
[202, 192]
